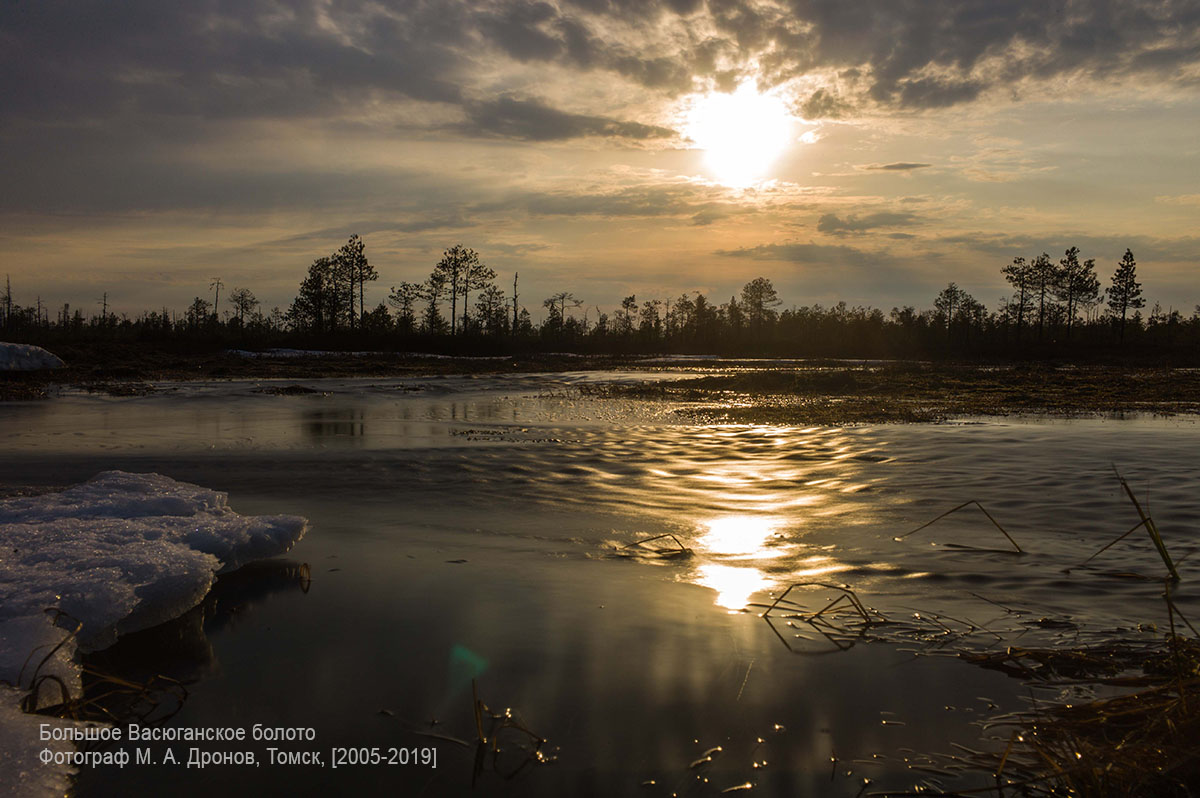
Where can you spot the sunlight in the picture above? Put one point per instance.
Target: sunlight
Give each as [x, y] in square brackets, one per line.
[739, 536]
[734, 585]
[742, 134]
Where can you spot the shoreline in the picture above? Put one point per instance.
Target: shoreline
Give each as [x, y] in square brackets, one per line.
[783, 391]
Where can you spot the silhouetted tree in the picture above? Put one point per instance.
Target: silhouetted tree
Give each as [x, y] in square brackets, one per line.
[321, 301]
[491, 311]
[433, 291]
[515, 319]
[8, 300]
[948, 303]
[477, 277]
[557, 307]
[625, 318]
[1020, 276]
[377, 321]
[216, 285]
[404, 298]
[454, 267]
[353, 269]
[758, 302]
[1125, 292]
[1076, 284]
[1044, 276]
[650, 321]
[243, 302]
[197, 313]
[735, 318]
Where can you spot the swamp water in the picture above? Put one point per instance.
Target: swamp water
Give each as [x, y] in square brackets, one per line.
[474, 530]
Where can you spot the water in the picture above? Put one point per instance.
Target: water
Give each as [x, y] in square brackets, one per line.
[474, 528]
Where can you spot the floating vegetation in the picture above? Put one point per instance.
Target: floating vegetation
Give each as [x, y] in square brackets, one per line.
[960, 507]
[843, 621]
[505, 745]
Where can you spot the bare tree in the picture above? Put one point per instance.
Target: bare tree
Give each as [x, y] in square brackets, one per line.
[216, 285]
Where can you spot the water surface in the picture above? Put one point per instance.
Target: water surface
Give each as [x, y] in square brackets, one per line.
[473, 528]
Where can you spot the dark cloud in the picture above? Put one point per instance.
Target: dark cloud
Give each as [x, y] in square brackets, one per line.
[518, 30]
[94, 59]
[818, 266]
[531, 120]
[651, 201]
[823, 104]
[836, 225]
[902, 166]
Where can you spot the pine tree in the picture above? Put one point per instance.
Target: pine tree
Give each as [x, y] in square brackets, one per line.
[1125, 292]
[1043, 275]
[1019, 275]
[454, 267]
[353, 269]
[1076, 284]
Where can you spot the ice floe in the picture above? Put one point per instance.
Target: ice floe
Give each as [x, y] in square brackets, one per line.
[119, 553]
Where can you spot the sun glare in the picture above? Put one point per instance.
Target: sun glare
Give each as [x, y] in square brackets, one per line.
[742, 134]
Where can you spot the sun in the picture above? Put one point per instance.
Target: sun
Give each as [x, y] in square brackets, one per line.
[742, 134]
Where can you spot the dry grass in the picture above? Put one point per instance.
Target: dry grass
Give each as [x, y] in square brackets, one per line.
[964, 505]
[505, 745]
[106, 697]
[912, 392]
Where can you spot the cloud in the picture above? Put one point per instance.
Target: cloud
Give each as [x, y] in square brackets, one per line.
[836, 225]
[1106, 249]
[810, 253]
[1178, 199]
[704, 204]
[91, 60]
[531, 120]
[824, 104]
[820, 267]
[902, 166]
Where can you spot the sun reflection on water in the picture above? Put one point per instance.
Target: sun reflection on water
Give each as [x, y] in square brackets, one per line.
[740, 556]
[734, 584]
[763, 506]
[740, 536]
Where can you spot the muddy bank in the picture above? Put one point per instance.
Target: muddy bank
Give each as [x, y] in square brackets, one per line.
[131, 370]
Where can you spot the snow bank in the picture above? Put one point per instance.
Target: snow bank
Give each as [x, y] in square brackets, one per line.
[119, 553]
[24, 357]
[21, 773]
[123, 552]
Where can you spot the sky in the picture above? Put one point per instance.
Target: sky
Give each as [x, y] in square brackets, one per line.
[860, 150]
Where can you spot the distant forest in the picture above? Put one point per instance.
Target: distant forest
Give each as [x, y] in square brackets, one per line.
[1057, 308]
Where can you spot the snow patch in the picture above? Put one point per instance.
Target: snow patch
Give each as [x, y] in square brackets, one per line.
[26, 357]
[119, 553]
[22, 775]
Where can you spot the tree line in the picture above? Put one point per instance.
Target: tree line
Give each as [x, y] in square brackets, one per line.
[1056, 307]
